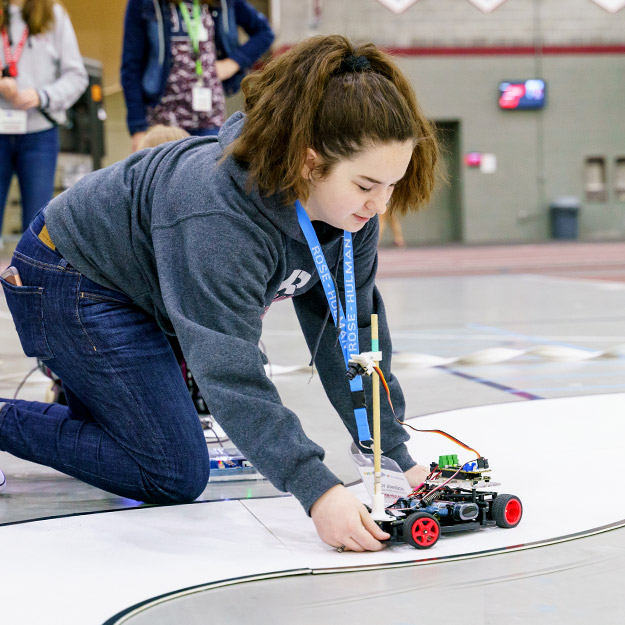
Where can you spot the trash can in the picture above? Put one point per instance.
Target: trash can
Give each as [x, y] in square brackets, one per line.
[563, 213]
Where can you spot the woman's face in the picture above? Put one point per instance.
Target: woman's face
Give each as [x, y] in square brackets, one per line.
[358, 188]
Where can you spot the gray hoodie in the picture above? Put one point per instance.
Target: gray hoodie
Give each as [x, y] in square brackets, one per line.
[50, 63]
[185, 238]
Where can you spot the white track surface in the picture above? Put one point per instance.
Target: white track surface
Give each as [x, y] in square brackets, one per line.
[562, 460]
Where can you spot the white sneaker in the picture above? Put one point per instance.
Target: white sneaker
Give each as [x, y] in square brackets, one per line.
[3, 481]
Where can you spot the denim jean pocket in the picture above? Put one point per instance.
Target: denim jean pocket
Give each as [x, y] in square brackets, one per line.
[26, 306]
[88, 289]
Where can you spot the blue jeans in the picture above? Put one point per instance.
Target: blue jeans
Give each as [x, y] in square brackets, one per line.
[32, 157]
[204, 132]
[130, 426]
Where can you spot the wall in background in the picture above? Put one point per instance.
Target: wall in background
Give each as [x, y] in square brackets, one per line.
[456, 56]
[456, 23]
[99, 27]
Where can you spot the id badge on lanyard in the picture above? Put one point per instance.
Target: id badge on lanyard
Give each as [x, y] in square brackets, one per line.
[347, 324]
[202, 101]
[202, 97]
[12, 122]
[11, 59]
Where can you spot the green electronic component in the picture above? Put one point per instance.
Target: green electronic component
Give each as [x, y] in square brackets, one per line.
[449, 460]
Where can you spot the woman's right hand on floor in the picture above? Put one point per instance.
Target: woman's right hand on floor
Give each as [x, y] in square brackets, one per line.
[342, 520]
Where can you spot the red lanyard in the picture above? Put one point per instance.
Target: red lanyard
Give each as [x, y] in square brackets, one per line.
[12, 60]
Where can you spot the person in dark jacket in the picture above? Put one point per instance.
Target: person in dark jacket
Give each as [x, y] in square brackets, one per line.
[197, 238]
[180, 60]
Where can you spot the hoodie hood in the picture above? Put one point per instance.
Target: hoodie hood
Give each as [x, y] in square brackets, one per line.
[273, 207]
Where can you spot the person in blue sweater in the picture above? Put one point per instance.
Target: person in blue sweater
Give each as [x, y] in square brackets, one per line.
[180, 60]
[196, 238]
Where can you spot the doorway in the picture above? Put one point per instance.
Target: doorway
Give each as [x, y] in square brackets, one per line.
[440, 222]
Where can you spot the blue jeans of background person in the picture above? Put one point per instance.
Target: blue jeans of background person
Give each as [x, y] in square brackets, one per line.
[204, 132]
[130, 426]
[32, 157]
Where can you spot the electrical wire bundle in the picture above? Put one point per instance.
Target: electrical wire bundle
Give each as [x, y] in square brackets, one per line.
[421, 491]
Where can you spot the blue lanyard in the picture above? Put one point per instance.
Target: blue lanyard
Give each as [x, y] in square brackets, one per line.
[347, 324]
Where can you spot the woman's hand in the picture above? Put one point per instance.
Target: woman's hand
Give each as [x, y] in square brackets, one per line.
[416, 475]
[8, 89]
[226, 68]
[342, 520]
[27, 99]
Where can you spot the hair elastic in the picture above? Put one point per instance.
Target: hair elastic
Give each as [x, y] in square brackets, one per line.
[353, 63]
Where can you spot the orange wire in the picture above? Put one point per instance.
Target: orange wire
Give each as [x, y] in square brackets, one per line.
[449, 436]
[386, 388]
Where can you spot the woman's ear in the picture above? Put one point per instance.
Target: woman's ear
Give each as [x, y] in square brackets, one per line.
[311, 161]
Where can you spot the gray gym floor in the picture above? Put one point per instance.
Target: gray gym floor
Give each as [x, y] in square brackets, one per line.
[573, 297]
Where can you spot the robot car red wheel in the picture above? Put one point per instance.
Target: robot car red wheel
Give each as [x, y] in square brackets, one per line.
[507, 510]
[421, 530]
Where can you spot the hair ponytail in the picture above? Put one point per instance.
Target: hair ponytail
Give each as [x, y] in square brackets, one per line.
[337, 98]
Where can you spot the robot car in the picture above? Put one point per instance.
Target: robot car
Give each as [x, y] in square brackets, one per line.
[449, 501]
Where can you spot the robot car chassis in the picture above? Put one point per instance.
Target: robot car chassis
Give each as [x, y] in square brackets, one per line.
[448, 501]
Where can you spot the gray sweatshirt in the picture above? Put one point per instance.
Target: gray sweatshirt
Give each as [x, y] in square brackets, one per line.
[186, 239]
[51, 63]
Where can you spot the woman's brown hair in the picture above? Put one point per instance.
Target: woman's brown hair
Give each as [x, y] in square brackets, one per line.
[38, 15]
[322, 94]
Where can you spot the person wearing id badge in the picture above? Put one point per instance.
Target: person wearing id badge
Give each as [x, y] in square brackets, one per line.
[180, 60]
[202, 96]
[42, 76]
[198, 238]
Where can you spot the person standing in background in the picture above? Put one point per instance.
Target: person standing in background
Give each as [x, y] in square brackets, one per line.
[396, 229]
[180, 60]
[43, 75]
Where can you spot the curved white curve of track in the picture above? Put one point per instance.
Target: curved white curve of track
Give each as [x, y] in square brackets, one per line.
[560, 456]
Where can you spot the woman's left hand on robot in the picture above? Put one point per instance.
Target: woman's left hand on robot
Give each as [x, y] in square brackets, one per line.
[416, 475]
